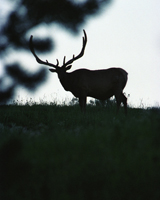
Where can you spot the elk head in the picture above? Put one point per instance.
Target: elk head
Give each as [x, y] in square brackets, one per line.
[60, 70]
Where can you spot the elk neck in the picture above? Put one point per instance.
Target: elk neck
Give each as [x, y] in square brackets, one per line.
[65, 80]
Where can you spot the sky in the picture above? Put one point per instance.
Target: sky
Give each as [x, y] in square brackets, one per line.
[126, 34]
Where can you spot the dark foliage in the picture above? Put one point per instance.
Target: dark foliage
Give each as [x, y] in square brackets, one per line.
[20, 77]
[13, 168]
[26, 79]
[28, 14]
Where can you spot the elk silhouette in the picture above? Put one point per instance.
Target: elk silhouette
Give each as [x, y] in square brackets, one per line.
[99, 84]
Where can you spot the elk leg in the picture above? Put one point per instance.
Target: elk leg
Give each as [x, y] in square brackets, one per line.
[120, 98]
[118, 104]
[124, 100]
[82, 103]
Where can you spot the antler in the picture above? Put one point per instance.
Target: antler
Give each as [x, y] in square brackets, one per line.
[37, 58]
[57, 65]
[80, 54]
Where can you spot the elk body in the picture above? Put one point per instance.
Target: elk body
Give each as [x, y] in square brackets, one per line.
[83, 83]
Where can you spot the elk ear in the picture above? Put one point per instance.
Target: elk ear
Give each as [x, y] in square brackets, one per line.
[68, 67]
[52, 70]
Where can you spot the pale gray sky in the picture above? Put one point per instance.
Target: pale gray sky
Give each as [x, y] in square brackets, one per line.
[127, 35]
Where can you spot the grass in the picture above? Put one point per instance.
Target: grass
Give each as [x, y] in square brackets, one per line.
[56, 152]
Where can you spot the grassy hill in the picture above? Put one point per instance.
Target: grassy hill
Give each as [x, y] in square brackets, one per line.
[56, 152]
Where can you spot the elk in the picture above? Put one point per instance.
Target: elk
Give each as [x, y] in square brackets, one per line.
[83, 83]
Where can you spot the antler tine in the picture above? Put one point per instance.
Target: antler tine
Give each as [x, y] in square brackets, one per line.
[64, 60]
[37, 58]
[57, 62]
[84, 39]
